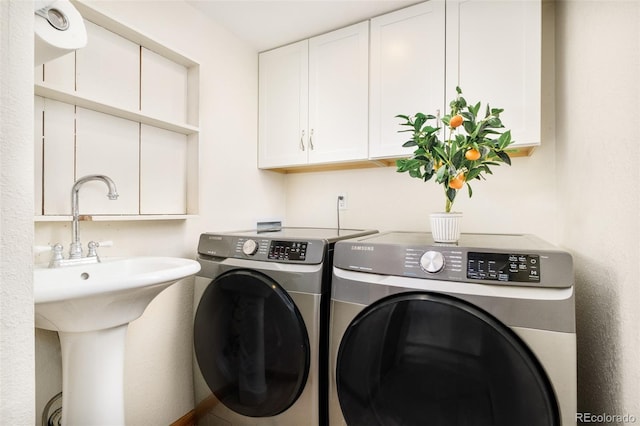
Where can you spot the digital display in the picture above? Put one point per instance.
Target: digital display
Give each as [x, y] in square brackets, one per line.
[503, 267]
[288, 250]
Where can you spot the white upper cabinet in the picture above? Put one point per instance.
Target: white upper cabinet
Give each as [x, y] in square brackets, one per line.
[313, 99]
[283, 105]
[494, 54]
[407, 73]
[338, 95]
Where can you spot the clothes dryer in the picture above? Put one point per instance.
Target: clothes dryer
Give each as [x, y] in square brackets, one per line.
[477, 333]
[261, 326]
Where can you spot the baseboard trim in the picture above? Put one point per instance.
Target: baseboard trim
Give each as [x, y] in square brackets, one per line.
[188, 419]
[201, 410]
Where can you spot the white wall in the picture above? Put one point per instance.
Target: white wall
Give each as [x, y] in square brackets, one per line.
[579, 190]
[516, 199]
[598, 69]
[557, 193]
[16, 207]
[233, 195]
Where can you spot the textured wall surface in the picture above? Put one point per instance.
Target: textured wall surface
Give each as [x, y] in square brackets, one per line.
[16, 219]
[597, 63]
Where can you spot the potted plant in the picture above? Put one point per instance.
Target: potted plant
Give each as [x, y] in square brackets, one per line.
[469, 147]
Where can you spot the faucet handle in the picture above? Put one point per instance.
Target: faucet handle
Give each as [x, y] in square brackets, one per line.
[56, 255]
[93, 245]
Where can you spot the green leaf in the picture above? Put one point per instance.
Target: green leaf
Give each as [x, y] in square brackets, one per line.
[407, 144]
[504, 157]
[451, 194]
[440, 152]
[474, 109]
[474, 173]
[441, 174]
[495, 122]
[505, 139]
[470, 191]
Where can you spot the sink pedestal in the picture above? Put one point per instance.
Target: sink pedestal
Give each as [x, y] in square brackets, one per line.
[93, 377]
[91, 306]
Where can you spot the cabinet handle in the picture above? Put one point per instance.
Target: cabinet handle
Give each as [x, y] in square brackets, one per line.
[302, 141]
[311, 140]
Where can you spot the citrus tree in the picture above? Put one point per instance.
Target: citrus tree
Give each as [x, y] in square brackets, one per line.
[470, 147]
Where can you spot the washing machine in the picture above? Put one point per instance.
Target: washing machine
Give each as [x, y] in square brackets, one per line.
[480, 333]
[261, 326]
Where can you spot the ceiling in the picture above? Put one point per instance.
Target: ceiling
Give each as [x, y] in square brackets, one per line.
[267, 24]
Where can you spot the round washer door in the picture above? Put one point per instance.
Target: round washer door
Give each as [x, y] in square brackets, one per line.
[429, 359]
[251, 343]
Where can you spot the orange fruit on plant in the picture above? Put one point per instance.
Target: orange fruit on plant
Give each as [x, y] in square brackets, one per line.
[456, 121]
[472, 154]
[457, 182]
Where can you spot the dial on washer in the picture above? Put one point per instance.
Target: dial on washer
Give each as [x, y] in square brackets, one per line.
[432, 262]
[250, 247]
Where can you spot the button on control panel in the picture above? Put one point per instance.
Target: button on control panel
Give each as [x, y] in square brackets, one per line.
[503, 267]
[288, 250]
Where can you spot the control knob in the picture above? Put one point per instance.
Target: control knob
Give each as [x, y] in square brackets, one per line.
[250, 247]
[432, 262]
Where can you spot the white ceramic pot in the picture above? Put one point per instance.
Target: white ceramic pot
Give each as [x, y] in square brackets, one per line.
[445, 227]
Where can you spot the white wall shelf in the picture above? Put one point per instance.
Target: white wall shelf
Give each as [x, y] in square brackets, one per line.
[51, 92]
[113, 218]
[157, 91]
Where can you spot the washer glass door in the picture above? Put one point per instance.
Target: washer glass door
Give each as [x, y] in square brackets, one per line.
[251, 343]
[430, 359]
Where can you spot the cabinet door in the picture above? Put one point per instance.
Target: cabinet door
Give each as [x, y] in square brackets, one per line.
[108, 69]
[58, 156]
[283, 106]
[407, 72]
[338, 95]
[163, 171]
[163, 87]
[109, 146]
[494, 55]
[60, 72]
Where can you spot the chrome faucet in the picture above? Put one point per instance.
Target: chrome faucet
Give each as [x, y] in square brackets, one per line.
[75, 250]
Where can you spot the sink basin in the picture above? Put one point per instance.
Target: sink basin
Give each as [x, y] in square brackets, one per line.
[103, 295]
[90, 306]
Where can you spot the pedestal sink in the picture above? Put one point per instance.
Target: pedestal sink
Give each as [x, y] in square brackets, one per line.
[90, 306]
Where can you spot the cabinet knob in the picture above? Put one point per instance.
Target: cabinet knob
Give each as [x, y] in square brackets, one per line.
[302, 141]
[311, 140]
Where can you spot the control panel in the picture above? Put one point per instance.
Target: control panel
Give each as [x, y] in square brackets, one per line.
[517, 266]
[262, 249]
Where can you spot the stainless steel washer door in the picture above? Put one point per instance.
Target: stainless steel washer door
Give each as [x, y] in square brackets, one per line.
[251, 343]
[430, 359]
